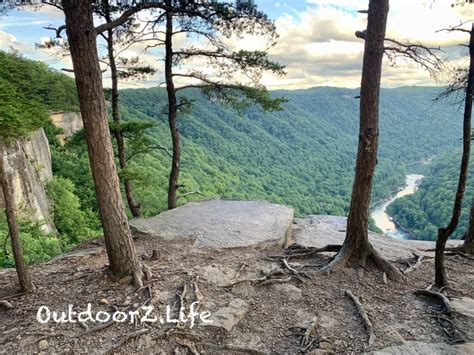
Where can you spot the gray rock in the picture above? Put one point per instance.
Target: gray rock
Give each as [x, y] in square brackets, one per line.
[287, 291]
[463, 306]
[221, 224]
[416, 348]
[244, 290]
[219, 276]
[228, 317]
[43, 344]
[28, 167]
[319, 230]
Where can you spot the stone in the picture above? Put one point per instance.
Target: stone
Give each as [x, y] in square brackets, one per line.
[244, 289]
[228, 317]
[146, 341]
[463, 306]
[221, 224]
[43, 344]
[218, 276]
[104, 301]
[287, 291]
[417, 347]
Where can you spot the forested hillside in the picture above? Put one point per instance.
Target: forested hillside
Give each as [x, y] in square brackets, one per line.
[431, 206]
[302, 156]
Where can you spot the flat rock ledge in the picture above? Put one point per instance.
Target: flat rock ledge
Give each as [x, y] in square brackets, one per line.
[416, 348]
[320, 230]
[221, 224]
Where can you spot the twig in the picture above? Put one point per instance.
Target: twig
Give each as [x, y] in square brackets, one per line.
[368, 324]
[189, 194]
[197, 293]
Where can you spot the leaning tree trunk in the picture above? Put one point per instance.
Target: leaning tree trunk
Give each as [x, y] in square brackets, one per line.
[135, 207]
[172, 113]
[82, 40]
[21, 268]
[356, 248]
[445, 233]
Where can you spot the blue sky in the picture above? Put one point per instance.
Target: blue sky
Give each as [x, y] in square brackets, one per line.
[317, 42]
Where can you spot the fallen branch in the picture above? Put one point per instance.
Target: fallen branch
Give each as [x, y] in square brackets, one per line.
[242, 267]
[440, 296]
[189, 194]
[419, 259]
[368, 324]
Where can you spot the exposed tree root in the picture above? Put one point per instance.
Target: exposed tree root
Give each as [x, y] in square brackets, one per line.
[420, 259]
[299, 251]
[141, 273]
[242, 267]
[346, 258]
[121, 342]
[305, 338]
[367, 323]
[274, 276]
[5, 305]
[437, 295]
[225, 349]
[460, 253]
[95, 329]
[198, 296]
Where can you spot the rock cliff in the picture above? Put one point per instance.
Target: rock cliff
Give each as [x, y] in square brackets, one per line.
[28, 167]
[70, 122]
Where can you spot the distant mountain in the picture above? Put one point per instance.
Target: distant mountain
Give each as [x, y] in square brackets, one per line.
[302, 156]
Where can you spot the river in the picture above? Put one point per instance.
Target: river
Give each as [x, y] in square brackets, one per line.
[379, 212]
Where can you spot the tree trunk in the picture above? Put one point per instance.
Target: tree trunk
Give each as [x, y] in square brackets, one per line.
[356, 248]
[172, 113]
[445, 233]
[21, 268]
[135, 207]
[468, 246]
[82, 40]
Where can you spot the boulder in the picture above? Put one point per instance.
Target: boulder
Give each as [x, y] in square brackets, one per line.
[320, 230]
[221, 224]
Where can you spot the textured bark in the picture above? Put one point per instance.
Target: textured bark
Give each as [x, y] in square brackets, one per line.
[135, 207]
[172, 113]
[445, 233]
[356, 248]
[82, 40]
[21, 267]
[468, 246]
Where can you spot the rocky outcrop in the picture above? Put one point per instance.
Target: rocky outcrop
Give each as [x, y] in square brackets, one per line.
[70, 122]
[221, 224]
[28, 167]
[319, 230]
[418, 347]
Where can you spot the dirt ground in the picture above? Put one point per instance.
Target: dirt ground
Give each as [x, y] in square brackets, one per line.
[269, 325]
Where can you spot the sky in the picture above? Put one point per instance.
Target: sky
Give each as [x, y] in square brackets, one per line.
[316, 41]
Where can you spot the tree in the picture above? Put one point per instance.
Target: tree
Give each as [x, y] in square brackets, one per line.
[212, 22]
[357, 249]
[19, 116]
[445, 233]
[82, 42]
[131, 68]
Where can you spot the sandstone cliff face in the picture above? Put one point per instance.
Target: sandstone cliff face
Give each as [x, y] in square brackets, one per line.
[70, 122]
[28, 167]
